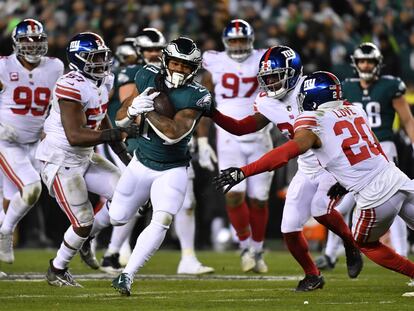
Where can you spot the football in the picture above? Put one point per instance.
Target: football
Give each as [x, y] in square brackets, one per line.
[163, 106]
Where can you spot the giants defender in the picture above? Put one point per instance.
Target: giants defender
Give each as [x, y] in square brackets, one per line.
[77, 122]
[27, 78]
[339, 135]
[158, 170]
[231, 75]
[280, 76]
[381, 97]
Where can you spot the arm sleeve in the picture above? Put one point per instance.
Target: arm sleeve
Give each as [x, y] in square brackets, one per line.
[236, 127]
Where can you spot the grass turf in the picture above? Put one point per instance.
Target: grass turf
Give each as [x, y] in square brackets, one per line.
[376, 288]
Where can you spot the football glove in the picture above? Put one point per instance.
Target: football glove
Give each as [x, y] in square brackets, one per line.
[228, 177]
[336, 191]
[143, 103]
[7, 132]
[115, 134]
[206, 155]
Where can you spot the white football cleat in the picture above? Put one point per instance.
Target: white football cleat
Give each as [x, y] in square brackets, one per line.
[261, 266]
[411, 282]
[247, 260]
[6, 248]
[191, 265]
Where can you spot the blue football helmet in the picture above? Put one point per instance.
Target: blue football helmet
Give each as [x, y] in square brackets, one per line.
[88, 54]
[369, 51]
[317, 89]
[30, 40]
[238, 29]
[280, 69]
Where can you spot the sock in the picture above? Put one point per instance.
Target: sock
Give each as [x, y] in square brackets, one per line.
[257, 246]
[239, 218]
[101, 221]
[259, 217]
[184, 224]
[65, 254]
[398, 236]
[334, 222]
[16, 211]
[119, 235]
[298, 247]
[387, 257]
[334, 242]
[147, 244]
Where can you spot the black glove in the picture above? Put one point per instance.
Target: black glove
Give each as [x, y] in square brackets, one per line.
[119, 148]
[336, 191]
[133, 130]
[115, 134]
[228, 177]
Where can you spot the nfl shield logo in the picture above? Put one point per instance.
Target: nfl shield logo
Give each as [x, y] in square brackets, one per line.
[14, 76]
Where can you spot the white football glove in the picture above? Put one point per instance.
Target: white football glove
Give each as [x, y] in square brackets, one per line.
[142, 103]
[7, 132]
[206, 155]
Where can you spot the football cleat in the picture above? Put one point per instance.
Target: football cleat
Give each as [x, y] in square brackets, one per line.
[354, 261]
[3, 275]
[325, 262]
[260, 264]
[110, 264]
[310, 282]
[60, 277]
[87, 254]
[193, 266]
[6, 248]
[123, 284]
[247, 260]
[410, 283]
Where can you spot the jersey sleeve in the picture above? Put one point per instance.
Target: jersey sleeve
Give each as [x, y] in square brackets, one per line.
[127, 75]
[144, 76]
[399, 88]
[70, 87]
[306, 121]
[209, 59]
[109, 82]
[204, 102]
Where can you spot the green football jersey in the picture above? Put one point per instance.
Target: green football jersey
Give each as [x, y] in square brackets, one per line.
[152, 150]
[377, 102]
[114, 103]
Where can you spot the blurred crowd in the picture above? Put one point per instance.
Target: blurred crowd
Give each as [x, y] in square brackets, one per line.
[324, 32]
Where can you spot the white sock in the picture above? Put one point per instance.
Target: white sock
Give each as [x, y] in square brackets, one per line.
[244, 244]
[65, 254]
[2, 216]
[101, 221]
[147, 244]
[16, 211]
[119, 235]
[398, 236]
[257, 246]
[184, 224]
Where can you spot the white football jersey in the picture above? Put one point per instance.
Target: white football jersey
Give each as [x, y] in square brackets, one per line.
[350, 153]
[25, 97]
[282, 113]
[55, 148]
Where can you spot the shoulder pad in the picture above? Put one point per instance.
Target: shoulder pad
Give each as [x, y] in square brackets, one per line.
[70, 86]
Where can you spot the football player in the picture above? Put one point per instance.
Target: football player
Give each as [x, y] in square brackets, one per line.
[231, 75]
[381, 96]
[158, 170]
[339, 135]
[76, 123]
[27, 78]
[280, 77]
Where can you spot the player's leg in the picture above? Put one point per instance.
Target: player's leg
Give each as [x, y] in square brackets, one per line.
[370, 224]
[184, 225]
[296, 212]
[17, 167]
[258, 188]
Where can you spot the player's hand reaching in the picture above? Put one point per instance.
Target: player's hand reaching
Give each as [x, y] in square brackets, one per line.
[336, 191]
[206, 155]
[228, 177]
[143, 103]
[131, 131]
[7, 132]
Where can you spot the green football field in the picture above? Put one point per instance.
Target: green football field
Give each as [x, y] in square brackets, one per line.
[157, 287]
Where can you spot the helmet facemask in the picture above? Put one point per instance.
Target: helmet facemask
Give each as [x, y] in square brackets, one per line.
[31, 46]
[275, 82]
[240, 49]
[97, 63]
[178, 79]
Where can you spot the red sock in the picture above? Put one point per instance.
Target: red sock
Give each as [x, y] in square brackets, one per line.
[298, 247]
[387, 257]
[259, 217]
[239, 218]
[334, 222]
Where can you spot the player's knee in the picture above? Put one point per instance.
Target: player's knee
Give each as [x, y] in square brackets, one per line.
[116, 222]
[31, 193]
[162, 218]
[258, 203]
[234, 198]
[83, 231]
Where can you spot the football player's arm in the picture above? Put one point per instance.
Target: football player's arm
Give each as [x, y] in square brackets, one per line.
[173, 130]
[74, 123]
[249, 124]
[403, 110]
[126, 90]
[125, 103]
[204, 125]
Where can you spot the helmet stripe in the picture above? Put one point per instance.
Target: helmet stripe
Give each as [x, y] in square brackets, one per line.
[267, 55]
[333, 77]
[237, 26]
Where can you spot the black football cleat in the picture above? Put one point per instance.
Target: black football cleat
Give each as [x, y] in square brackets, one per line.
[310, 282]
[354, 262]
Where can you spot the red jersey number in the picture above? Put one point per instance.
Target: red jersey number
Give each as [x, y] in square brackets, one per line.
[232, 82]
[357, 133]
[24, 97]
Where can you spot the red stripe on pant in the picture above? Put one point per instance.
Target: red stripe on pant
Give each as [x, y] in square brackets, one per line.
[61, 199]
[8, 171]
[364, 225]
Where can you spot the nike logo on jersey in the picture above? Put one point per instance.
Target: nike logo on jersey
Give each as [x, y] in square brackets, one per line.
[70, 83]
